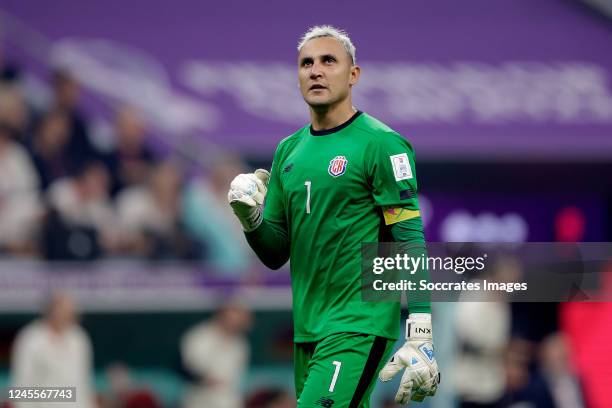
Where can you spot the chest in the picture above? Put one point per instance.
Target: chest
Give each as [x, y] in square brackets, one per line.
[325, 166]
[55, 355]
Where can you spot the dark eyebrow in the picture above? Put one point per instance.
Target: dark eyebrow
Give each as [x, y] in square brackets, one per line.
[326, 56]
[305, 60]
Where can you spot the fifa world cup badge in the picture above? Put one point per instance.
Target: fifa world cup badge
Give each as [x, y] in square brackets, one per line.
[401, 167]
[337, 166]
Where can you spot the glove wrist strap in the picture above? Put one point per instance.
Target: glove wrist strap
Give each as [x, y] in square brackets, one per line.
[418, 330]
[252, 220]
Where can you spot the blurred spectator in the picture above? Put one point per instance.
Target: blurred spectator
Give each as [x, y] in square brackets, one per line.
[215, 355]
[131, 160]
[9, 73]
[82, 221]
[20, 207]
[50, 148]
[527, 387]
[483, 329]
[483, 332]
[151, 214]
[54, 351]
[270, 398]
[14, 112]
[556, 369]
[517, 376]
[66, 96]
[534, 321]
[211, 220]
[122, 392]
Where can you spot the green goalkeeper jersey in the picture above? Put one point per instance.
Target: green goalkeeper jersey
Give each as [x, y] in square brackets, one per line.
[333, 190]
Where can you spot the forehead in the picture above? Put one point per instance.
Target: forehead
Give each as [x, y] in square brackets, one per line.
[323, 46]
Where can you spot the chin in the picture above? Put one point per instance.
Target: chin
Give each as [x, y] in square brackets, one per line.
[318, 102]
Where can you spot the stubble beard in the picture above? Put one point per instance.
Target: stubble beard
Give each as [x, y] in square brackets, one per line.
[325, 105]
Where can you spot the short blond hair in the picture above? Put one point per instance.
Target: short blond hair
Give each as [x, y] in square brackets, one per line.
[329, 31]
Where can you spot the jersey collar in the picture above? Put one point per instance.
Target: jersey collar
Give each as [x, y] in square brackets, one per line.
[334, 129]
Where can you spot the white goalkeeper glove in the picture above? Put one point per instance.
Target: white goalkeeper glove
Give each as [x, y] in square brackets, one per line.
[421, 376]
[246, 196]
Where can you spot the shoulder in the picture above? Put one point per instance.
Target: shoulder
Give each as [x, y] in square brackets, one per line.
[30, 329]
[199, 331]
[377, 133]
[372, 124]
[136, 196]
[30, 334]
[198, 336]
[18, 153]
[80, 335]
[62, 194]
[287, 144]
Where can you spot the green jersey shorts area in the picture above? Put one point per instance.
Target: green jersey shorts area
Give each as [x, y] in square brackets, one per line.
[340, 370]
[329, 189]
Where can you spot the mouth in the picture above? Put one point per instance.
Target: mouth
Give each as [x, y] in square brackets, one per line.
[316, 87]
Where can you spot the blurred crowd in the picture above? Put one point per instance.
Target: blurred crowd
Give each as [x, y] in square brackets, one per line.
[63, 197]
[494, 354]
[54, 350]
[512, 354]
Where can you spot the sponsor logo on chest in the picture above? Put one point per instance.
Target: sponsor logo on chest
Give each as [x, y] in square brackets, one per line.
[337, 166]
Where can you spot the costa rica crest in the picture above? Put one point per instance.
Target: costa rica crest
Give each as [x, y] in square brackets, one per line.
[337, 166]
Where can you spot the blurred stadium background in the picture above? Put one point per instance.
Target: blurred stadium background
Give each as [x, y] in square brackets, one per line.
[121, 126]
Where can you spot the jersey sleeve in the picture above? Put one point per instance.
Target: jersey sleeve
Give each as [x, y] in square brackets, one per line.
[392, 177]
[274, 209]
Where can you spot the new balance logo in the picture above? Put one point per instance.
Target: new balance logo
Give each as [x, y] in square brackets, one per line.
[288, 168]
[325, 402]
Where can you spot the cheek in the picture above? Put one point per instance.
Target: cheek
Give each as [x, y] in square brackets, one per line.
[302, 80]
[303, 86]
[340, 82]
[342, 76]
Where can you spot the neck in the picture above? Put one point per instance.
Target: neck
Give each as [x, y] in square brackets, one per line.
[328, 117]
[55, 327]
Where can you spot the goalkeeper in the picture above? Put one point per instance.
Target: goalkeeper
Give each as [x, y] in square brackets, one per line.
[344, 179]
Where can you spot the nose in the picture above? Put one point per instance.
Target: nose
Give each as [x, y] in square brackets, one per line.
[315, 70]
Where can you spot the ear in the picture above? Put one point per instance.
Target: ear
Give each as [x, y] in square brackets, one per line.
[354, 75]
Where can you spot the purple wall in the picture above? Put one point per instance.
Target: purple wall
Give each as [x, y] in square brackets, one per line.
[477, 79]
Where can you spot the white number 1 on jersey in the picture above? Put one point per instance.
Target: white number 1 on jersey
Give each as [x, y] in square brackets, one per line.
[338, 364]
[307, 184]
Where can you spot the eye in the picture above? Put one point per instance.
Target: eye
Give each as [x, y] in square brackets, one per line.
[329, 59]
[306, 62]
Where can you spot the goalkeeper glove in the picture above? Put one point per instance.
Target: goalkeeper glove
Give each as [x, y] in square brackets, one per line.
[421, 376]
[246, 197]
